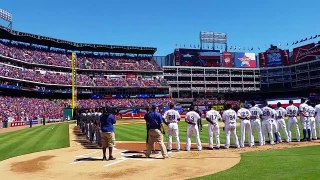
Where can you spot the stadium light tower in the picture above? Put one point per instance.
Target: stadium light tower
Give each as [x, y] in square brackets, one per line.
[6, 16]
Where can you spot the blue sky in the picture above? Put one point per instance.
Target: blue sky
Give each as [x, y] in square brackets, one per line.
[165, 23]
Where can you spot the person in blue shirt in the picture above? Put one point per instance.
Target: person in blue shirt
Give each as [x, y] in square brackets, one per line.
[154, 122]
[107, 120]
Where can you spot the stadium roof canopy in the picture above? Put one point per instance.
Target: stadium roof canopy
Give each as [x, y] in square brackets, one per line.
[6, 33]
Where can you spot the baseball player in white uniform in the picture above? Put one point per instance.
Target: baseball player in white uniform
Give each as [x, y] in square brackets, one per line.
[304, 119]
[317, 113]
[312, 120]
[281, 112]
[267, 118]
[244, 115]
[275, 125]
[255, 122]
[172, 117]
[292, 112]
[230, 123]
[192, 119]
[213, 118]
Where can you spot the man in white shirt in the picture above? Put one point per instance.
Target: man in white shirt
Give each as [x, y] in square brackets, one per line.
[192, 119]
[304, 118]
[311, 114]
[281, 112]
[172, 117]
[267, 118]
[244, 115]
[255, 122]
[317, 113]
[213, 118]
[230, 123]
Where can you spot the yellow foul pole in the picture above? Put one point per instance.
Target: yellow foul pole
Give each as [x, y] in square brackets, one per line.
[74, 74]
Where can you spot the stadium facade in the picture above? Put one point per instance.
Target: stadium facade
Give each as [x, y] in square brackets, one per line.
[109, 71]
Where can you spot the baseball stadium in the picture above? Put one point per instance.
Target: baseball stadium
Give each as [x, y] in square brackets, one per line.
[225, 104]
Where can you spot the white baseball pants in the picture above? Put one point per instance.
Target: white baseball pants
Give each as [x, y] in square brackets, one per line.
[305, 122]
[282, 124]
[313, 128]
[173, 130]
[292, 121]
[213, 129]
[231, 129]
[190, 130]
[267, 125]
[245, 126]
[256, 124]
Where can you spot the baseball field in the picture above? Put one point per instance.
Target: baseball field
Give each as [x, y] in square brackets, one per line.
[59, 151]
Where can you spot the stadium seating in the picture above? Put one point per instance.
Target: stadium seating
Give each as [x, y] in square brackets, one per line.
[17, 108]
[38, 55]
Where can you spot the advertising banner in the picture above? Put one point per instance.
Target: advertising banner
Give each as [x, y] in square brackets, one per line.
[274, 57]
[227, 60]
[245, 60]
[306, 53]
[131, 76]
[262, 60]
[196, 57]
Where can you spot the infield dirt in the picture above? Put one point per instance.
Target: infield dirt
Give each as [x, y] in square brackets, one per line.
[82, 160]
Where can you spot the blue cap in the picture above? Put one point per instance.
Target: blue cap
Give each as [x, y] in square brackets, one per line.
[154, 105]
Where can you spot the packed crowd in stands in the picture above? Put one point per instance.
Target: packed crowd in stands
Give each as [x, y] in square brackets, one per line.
[50, 77]
[123, 103]
[19, 108]
[216, 101]
[41, 55]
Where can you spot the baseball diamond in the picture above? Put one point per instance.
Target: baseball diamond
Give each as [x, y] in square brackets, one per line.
[241, 101]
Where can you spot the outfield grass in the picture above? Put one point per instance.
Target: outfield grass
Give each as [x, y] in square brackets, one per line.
[137, 132]
[293, 163]
[40, 138]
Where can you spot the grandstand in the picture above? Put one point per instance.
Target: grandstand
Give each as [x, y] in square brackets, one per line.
[36, 69]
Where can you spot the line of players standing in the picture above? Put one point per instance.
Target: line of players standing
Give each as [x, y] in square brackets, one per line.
[266, 121]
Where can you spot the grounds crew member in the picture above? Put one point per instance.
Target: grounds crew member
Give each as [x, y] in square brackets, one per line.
[156, 130]
[149, 110]
[107, 120]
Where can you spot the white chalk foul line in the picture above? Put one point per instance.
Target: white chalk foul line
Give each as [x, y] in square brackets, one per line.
[87, 154]
[117, 162]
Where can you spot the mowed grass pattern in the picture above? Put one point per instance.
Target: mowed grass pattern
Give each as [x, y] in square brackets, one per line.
[137, 132]
[29, 140]
[293, 163]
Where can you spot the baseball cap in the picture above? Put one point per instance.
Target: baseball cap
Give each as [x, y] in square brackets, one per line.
[154, 105]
